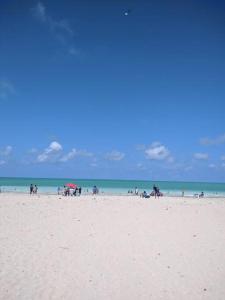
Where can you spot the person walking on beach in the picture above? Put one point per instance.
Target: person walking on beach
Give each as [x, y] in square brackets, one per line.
[31, 189]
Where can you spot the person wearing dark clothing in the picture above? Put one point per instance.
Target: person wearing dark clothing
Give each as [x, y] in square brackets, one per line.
[95, 190]
[31, 189]
[156, 190]
[79, 191]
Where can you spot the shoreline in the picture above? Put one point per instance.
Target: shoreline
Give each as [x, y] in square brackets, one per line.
[118, 187]
[169, 195]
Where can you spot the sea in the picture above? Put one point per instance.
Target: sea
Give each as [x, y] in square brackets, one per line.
[114, 187]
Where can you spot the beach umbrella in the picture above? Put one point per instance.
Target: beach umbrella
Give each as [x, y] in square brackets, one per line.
[71, 185]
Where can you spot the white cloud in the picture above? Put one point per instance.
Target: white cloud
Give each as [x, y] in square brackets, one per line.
[61, 25]
[39, 12]
[42, 157]
[53, 147]
[223, 157]
[51, 152]
[216, 141]
[60, 29]
[69, 155]
[74, 153]
[54, 153]
[201, 156]
[5, 155]
[157, 151]
[6, 151]
[115, 155]
[6, 89]
[223, 165]
[84, 153]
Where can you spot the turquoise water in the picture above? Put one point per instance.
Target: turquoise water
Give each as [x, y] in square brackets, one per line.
[49, 185]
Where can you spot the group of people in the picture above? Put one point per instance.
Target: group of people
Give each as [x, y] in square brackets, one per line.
[135, 191]
[155, 192]
[67, 191]
[201, 195]
[33, 189]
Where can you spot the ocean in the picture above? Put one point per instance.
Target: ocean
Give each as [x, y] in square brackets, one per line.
[173, 188]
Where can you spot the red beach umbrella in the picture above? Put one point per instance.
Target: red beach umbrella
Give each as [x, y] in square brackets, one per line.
[71, 185]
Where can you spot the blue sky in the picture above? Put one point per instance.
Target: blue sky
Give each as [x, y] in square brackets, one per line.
[113, 89]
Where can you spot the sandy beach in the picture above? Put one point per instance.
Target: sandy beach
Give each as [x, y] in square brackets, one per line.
[111, 247]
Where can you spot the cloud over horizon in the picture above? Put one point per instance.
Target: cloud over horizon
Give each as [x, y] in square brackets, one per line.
[5, 153]
[114, 155]
[54, 153]
[73, 153]
[50, 152]
[157, 151]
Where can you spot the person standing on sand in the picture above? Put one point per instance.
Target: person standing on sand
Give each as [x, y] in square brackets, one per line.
[155, 190]
[58, 190]
[31, 189]
[79, 190]
[35, 189]
[136, 191]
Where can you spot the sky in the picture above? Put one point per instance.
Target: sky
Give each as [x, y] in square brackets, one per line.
[113, 89]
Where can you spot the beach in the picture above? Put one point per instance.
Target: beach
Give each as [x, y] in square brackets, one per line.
[111, 247]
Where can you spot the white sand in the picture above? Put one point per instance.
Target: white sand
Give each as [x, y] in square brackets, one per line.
[108, 247]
